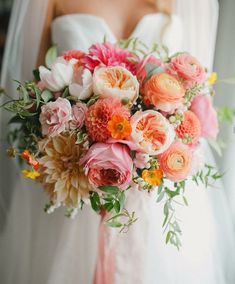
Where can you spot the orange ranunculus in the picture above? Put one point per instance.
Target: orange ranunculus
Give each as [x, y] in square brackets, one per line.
[119, 127]
[163, 91]
[175, 162]
[153, 177]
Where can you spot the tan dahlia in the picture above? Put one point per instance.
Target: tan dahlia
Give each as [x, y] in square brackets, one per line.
[61, 176]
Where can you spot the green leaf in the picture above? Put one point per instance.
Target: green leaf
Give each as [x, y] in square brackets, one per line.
[51, 56]
[166, 209]
[171, 193]
[121, 198]
[15, 119]
[38, 97]
[95, 201]
[65, 93]
[36, 75]
[114, 224]
[25, 94]
[168, 236]
[117, 206]
[109, 189]
[46, 96]
[108, 206]
[185, 201]
[160, 197]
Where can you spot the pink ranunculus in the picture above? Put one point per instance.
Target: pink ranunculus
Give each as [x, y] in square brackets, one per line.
[60, 75]
[108, 164]
[55, 116]
[107, 54]
[78, 116]
[141, 71]
[203, 108]
[188, 68]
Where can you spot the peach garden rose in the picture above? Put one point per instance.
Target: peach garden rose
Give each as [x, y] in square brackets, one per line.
[151, 132]
[116, 82]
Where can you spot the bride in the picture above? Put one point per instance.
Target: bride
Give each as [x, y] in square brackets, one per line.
[40, 249]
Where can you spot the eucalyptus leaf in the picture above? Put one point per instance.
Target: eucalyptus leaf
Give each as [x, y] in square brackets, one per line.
[51, 56]
[46, 96]
[160, 197]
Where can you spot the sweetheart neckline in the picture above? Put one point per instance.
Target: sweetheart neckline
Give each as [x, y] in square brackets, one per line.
[106, 25]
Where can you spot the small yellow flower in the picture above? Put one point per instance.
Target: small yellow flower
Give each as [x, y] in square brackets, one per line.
[153, 177]
[32, 174]
[212, 78]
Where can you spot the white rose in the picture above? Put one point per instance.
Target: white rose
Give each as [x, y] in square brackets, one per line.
[115, 82]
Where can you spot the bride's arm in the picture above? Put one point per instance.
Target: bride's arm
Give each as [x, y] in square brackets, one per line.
[45, 42]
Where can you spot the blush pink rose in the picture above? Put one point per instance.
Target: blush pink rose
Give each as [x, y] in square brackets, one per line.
[108, 164]
[175, 162]
[141, 71]
[78, 116]
[203, 108]
[188, 68]
[55, 116]
[107, 54]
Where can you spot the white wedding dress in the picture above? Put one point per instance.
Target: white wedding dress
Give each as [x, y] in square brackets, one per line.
[39, 249]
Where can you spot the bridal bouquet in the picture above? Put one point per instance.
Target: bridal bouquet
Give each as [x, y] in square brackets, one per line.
[94, 126]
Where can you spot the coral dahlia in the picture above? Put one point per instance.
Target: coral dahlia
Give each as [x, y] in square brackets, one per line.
[190, 128]
[99, 114]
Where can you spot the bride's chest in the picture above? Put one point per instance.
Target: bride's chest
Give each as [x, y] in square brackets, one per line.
[79, 31]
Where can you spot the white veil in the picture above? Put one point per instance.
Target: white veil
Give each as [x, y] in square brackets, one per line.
[24, 34]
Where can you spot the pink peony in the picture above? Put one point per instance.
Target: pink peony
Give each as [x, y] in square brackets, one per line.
[78, 116]
[141, 71]
[188, 68]
[55, 116]
[203, 108]
[107, 54]
[108, 164]
[175, 162]
[100, 113]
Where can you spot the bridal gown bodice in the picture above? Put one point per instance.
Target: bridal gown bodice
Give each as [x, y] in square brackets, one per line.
[55, 250]
[79, 31]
